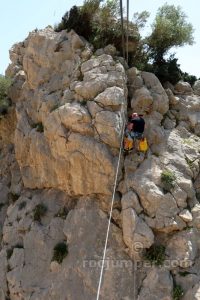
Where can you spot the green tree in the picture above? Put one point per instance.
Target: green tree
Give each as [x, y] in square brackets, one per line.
[168, 70]
[170, 29]
[99, 22]
[188, 77]
[4, 101]
[106, 26]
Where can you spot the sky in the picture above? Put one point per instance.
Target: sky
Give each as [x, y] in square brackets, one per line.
[20, 17]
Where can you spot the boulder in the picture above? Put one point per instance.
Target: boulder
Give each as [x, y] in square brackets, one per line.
[196, 87]
[193, 293]
[157, 285]
[131, 200]
[108, 125]
[93, 108]
[196, 216]
[160, 99]
[132, 73]
[173, 100]
[169, 124]
[76, 228]
[186, 281]
[111, 97]
[136, 233]
[142, 101]
[89, 90]
[57, 121]
[15, 90]
[183, 88]
[110, 50]
[180, 196]
[4, 197]
[3, 279]
[186, 215]
[182, 248]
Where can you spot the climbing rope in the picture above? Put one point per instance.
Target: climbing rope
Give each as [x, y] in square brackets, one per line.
[112, 202]
[127, 31]
[122, 27]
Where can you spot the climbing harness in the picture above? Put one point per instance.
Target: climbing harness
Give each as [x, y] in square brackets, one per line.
[127, 144]
[112, 202]
[143, 145]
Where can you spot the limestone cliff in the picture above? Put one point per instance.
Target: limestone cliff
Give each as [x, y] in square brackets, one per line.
[59, 152]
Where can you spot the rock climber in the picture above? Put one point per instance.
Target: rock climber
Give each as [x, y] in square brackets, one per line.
[134, 132]
[138, 126]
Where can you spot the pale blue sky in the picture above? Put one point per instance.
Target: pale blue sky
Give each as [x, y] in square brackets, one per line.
[18, 18]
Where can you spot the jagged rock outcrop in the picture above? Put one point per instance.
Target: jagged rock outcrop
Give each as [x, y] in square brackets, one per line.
[31, 269]
[58, 127]
[196, 87]
[158, 285]
[57, 171]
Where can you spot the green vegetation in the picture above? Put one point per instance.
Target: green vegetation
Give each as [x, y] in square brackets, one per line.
[167, 70]
[156, 254]
[169, 29]
[188, 78]
[39, 211]
[5, 82]
[39, 127]
[177, 292]
[13, 197]
[22, 205]
[156, 154]
[187, 227]
[184, 273]
[83, 102]
[188, 142]
[168, 179]
[189, 162]
[99, 22]
[62, 213]
[60, 252]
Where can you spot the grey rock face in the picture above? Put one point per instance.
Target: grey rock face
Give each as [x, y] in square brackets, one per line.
[70, 107]
[157, 285]
[196, 87]
[58, 136]
[183, 88]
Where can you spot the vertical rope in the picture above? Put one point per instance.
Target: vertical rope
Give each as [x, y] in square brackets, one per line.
[112, 202]
[122, 27]
[127, 31]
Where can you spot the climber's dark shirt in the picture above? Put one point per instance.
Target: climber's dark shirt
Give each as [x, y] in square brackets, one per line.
[138, 124]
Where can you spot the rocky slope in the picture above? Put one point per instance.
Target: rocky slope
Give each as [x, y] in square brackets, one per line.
[59, 152]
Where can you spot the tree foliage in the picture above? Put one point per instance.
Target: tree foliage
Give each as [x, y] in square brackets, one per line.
[168, 70]
[170, 29]
[99, 22]
[4, 101]
[188, 77]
